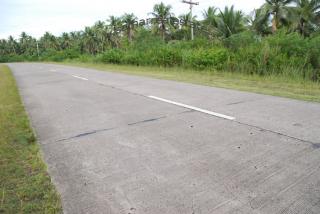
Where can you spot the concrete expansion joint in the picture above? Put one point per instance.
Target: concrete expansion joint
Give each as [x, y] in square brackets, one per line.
[108, 129]
[146, 121]
[85, 134]
[120, 89]
[313, 144]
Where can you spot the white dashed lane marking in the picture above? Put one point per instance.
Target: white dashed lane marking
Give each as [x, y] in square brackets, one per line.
[82, 78]
[194, 108]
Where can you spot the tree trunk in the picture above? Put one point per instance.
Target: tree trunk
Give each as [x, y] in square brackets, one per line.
[274, 24]
[129, 34]
[302, 28]
[163, 29]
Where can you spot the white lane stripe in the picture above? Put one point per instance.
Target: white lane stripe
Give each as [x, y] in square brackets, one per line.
[194, 108]
[79, 77]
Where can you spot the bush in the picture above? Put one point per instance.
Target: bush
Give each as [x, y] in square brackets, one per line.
[134, 58]
[167, 56]
[114, 56]
[276, 54]
[242, 40]
[145, 41]
[14, 58]
[88, 58]
[201, 58]
[4, 58]
[290, 44]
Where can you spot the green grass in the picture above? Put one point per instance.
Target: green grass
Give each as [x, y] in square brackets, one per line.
[25, 186]
[271, 85]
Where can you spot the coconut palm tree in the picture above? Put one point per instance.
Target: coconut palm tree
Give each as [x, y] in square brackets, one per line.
[25, 43]
[161, 18]
[183, 30]
[49, 41]
[129, 21]
[185, 26]
[100, 31]
[210, 16]
[12, 44]
[65, 41]
[308, 12]
[89, 40]
[210, 23]
[115, 26]
[258, 22]
[230, 22]
[279, 10]
[75, 39]
[3, 47]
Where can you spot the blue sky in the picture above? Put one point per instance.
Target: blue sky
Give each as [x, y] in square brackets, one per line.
[56, 16]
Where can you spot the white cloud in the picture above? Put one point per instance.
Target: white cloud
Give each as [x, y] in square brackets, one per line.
[37, 16]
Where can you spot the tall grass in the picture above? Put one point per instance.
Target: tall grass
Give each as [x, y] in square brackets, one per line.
[281, 54]
[25, 185]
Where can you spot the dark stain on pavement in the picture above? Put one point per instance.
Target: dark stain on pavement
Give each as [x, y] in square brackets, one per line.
[235, 103]
[187, 111]
[146, 121]
[85, 134]
[316, 145]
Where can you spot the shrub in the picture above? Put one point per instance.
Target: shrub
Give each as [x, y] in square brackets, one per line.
[87, 58]
[167, 56]
[144, 41]
[133, 58]
[4, 58]
[201, 58]
[242, 40]
[290, 44]
[114, 56]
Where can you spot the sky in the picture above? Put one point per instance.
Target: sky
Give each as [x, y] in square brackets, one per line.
[35, 17]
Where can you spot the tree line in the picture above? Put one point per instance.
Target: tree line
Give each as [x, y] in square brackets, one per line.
[295, 23]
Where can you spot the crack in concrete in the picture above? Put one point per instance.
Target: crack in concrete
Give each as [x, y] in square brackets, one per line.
[84, 134]
[119, 89]
[313, 144]
[242, 101]
[187, 111]
[109, 129]
[146, 121]
[235, 103]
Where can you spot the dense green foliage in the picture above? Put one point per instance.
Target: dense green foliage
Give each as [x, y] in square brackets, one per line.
[282, 37]
[25, 184]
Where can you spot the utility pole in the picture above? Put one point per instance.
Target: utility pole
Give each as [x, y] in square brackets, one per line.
[191, 5]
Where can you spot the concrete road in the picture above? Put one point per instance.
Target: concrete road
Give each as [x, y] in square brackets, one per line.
[117, 143]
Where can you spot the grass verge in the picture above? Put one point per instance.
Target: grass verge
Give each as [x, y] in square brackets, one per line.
[271, 85]
[25, 184]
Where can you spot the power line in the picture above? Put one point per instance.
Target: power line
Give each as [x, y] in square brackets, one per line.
[191, 21]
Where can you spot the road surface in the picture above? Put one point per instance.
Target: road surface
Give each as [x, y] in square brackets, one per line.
[116, 143]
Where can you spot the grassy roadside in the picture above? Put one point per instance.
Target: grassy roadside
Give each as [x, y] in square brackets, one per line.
[25, 186]
[270, 85]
